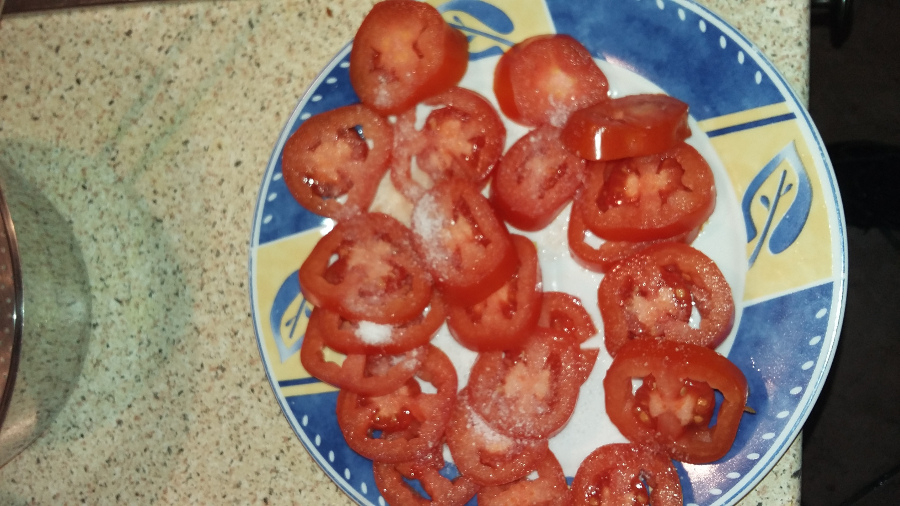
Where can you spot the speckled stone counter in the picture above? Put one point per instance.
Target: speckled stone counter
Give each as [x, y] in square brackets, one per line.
[151, 125]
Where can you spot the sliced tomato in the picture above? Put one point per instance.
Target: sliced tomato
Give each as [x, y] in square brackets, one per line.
[361, 337]
[660, 292]
[373, 374]
[394, 487]
[598, 255]
[332, 164]
[626, 474]
[545, 78]
[365, 268]
[535, 179]
[505, 318]
[629, 126]
[406, 424]
[404, 52]
[565, 313]
[648, 198]
[467, 249]
[530, 392]
[486, 456]
[462, 137]
[549, 488]
[670, 412]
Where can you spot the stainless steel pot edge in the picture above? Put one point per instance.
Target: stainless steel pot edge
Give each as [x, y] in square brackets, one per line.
[18, 307]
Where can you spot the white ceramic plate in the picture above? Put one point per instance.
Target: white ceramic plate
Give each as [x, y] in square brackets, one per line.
[777, 232]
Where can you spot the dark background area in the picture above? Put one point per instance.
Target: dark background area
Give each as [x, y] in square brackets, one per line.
[852, 439]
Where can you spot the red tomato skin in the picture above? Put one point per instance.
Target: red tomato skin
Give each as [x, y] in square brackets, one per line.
[347, 286]
[545, 78]
[629, 126]
[535, 180]
[505, 318]
[325, 158]
[466, 247]
[622, 200]
[462, 137]
[565, 313]
[383, 76]
[667, 266]
[671, 362]
[613, 473]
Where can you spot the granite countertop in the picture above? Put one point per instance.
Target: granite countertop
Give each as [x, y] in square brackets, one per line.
[151, 125]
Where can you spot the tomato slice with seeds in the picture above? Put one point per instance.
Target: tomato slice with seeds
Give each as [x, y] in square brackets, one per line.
[406, 424]
[660, 292]
[372, 374]
[625, 127]
[365, 268]
[463, 137]
[670, 411]
[467, 249]
[404, 52]
[535, 179]
[394, 487]
[598, 255]
[332, 164]
[530, 392]
[549, 488]
[565, 313]
[361, 337]
[487, 456]
[626, 474]
[505, 318]
[545, 78]
[647, 198]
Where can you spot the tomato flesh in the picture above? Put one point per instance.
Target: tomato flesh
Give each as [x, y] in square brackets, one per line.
[623, 474]
[548, 489]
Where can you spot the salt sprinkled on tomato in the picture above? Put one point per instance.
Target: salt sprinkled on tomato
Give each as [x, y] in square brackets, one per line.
[374, 333]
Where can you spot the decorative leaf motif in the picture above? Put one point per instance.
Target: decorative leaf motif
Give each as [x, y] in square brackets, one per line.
[797, 196]
[491, 35]
[289, 310]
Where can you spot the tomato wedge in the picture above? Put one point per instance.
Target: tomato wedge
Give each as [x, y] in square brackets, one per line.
[545, 78]
[530, 392]
[373, 374]
[629, 126]
[660, 292]
[365, 268]
[622, 473]
[549, 488]
[361, 337]
[404, 52]
[505, 318]
[487, 456]
[467, 249]
[671, 414]
[463, 137]
[598, 255]
[332, 164]
[405, 424]
[535, 179]
[648, 198]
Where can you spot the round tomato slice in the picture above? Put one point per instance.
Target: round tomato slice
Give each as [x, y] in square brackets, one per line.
[487, 456]
[393, 485]
[332, 164]
[545, 78]
[365, 268]
[622, 473]
[535, 180]
[671, 413]
[648, 198]
[467, 249]
[363, 374]
[361, 337]
[660, 292]
[629, 126]
[406, 424]
[549, 488]
[530, 392]
[505, 318]
[404, 52]
[598, 255]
